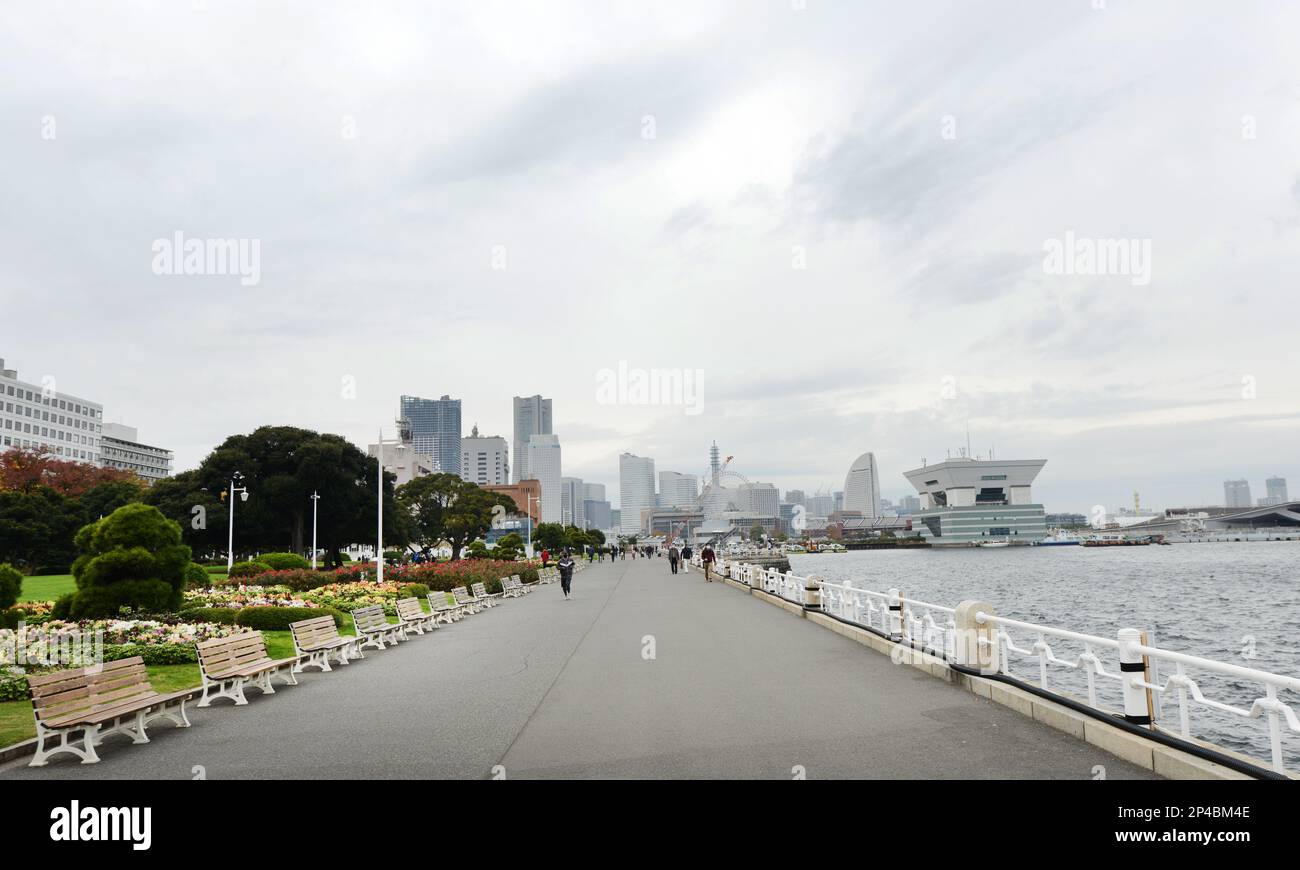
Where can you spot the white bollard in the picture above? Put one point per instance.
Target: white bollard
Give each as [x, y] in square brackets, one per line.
[1133, 671]
[812, 593]
[968, 634]
[895, 615]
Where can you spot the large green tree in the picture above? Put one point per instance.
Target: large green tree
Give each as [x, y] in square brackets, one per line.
[282, 466]
[37, 526]
[443, 507]
[131, 558]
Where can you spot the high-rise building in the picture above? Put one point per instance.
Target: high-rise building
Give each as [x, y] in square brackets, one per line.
[593, 491]
[484, 460]
[759, 498]
[1275, 490]
[862, 487]
[39, 416]
[1236, 493]
[572, 499]
[615, 518]
[678, 490]
[909, 504]
[597, 513]
[544, 465]
[819, 505]
[636, 490]
[532, 415]
[403, 462]
[795, 496]
[432, 428]
[122, 449]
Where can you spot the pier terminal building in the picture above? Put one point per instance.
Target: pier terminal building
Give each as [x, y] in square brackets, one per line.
[965, 502]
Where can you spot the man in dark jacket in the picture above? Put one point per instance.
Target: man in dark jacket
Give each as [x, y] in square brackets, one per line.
[566, 572]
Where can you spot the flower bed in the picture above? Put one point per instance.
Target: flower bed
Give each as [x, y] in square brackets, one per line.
[243, 596]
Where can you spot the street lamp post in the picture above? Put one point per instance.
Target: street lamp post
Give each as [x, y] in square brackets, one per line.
[315, 503]
[529, 511]
[379, 549]
[243, 496]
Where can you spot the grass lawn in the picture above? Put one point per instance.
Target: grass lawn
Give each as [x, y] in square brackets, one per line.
[50, 587]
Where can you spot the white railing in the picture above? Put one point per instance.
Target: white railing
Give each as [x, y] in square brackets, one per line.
[1126, 661]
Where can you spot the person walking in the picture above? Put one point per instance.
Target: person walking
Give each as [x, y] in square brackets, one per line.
[686, 559]
[707, 556]
[673, 556]
[566, 572]
[546, 556]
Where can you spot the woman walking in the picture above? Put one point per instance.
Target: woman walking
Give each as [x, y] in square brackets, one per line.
[566, 572]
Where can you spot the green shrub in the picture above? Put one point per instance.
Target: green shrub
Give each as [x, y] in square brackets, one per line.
[11, 585]
[302, 581]
[417, 590]
[216, 569]
[394, 556]
[284, 561]
[278, 618]
[219, 615]
[52, 570]
[131, 558]
[242, 570]
[62, 608]
[344, 557]
[11, 618]
[195, 576]
[13, 687]
[153, 654]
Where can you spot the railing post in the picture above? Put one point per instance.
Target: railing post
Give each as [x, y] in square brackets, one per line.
[895, 615]
[1133, 672]
[968, 631]
[812, 593]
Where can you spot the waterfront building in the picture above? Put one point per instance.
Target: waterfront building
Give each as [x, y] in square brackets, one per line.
[1236, 493]
[37, 416]
[432, 428]
[636, 490]
[484, 460]
[532, 416]
[819, 505]
[862, 486]
[759, 498]
[544, 466]
[121, 449]
[908, 504]
[1275, 492]
[968, 501]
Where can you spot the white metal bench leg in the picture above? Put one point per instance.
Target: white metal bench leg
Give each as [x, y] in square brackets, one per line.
[173, 712]
[86, 752]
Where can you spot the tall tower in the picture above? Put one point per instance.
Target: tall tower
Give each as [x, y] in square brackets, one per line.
[532, 417]
[715, 463]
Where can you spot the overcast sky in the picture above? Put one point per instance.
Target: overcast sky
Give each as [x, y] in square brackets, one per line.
[837, 213]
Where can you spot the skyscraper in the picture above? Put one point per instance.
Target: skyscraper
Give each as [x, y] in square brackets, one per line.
[1275, 488]
[572, 499]
[485, 461]
[1236, 493]
[636, 490]
[544, 466]
[532, 417]
[432, 428]
[862, 486]
[678, 490]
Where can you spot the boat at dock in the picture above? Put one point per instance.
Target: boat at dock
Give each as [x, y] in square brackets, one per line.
[1061, 538]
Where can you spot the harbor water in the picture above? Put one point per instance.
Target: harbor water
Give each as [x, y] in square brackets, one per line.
[1237, 603]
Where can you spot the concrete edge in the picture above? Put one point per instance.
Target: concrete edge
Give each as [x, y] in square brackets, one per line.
[17, 750]
[1166, 761]
[788, 606]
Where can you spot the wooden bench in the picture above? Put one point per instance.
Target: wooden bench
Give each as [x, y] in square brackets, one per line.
[99, 700]
[522, 586]
[510, 586]
[481, 593]
[374, 629]
[443, 609]
[227, 664]
[412, 616]
[317, 640]
[464, 599]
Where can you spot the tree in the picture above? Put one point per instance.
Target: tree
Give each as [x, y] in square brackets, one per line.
[756, 533]
[282, 466]
[438, 507]
[26, 468]
[11, 585]
[549, 536]
[37, 527]
[509, 546]
[131, 558]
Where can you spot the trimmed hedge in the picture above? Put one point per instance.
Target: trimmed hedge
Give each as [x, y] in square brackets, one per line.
[278, 618]
[418, 590]
[195, 576]
[284, 561]
[248, 569]
[153, 654]
[219, 615]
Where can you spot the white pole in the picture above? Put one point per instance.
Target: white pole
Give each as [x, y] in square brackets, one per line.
[230, 541]
[379, 549]
[315, 503]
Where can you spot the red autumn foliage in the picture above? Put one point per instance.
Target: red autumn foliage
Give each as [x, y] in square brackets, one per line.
[23, 469]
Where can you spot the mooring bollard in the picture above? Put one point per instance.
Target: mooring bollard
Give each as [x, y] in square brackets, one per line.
[895, 615]
[967, 646]
[812, 593]
[1133, 671]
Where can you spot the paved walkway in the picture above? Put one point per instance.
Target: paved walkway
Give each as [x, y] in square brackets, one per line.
[549, 688]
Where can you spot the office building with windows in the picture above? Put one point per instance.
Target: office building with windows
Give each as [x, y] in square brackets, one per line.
[532, 416]
[678, 490]
[862, 487]
[636, 490]
[484, 460]
[572, 499]
[121, 449]
[432, 428]
[544, 466]
[39, 416]
[1236, 494]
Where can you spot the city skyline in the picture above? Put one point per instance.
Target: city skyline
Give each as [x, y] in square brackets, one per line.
[557, 211]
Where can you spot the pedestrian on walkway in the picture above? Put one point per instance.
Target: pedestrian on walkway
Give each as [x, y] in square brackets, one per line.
[673, 556]
[707, 556]
[546, 556]
[687, 552]
[566, 572]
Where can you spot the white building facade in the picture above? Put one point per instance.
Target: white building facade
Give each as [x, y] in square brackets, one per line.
[544, 467]
[38, 416]
[636, 490]
[678, 490]
[121, 449]
[484, 460]
[532, 416]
